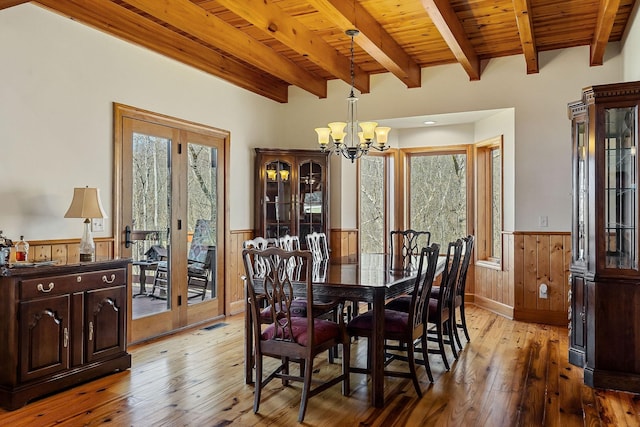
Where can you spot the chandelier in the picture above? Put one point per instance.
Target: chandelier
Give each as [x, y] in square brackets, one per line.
[347, 140]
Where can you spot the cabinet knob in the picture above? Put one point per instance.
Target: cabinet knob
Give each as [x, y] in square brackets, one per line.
[90, 331]
[105, 280]
[42, 289]
[66, 337]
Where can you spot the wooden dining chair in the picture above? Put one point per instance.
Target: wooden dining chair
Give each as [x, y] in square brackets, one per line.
[457, 300]
[410, 243]
[405, 327]
[439, 316]
[287, 337]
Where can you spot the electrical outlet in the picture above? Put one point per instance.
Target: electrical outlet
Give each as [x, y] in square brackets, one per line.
[543, 291]
[543, 221]
[97, 224]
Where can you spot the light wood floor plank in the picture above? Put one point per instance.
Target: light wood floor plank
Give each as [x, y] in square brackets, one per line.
[509, 374]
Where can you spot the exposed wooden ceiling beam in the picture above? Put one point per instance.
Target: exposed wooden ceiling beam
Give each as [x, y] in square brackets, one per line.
[373, 38]
[5, 4]
[527, 39]
[120, 22]
[192, 19]
[606, 17]
[270, 18]
[447, 23]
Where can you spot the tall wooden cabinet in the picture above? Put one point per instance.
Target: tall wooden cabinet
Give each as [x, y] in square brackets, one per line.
[291, 193]
[59, 326]
[604, 313]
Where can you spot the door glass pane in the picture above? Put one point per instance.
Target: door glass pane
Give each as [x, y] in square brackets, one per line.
[620, 188]
[372, 202]
[311, 200]
[150, 218]
[278, 199]
[438, 195]
[202, 211]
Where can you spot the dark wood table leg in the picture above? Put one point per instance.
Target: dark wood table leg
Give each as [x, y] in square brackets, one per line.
[248, 341]
[377, 363]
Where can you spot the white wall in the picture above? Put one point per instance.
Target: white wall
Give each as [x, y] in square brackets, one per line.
[58, 82]
[631, 50]
[540, 172]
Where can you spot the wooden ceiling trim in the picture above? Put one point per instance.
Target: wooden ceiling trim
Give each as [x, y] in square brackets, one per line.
[127, 25]
[372, 38]
[272, 20]
[525, 28]
[447, 23]
[4, 4]
[606, 17]
[192, 19]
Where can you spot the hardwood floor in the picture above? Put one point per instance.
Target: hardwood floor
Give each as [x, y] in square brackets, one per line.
[510, 374]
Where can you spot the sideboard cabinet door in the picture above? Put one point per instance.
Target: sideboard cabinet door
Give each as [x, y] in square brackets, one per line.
[44, 337]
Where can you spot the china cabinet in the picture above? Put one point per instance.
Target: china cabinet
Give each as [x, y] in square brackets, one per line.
[604, 313]
[60, 325]
[291, 193]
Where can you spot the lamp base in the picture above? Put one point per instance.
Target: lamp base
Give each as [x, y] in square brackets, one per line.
[87, 246]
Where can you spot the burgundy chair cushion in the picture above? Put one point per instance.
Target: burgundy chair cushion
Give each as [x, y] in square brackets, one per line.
[433, 311]
[435, 292]
[323, 330]
[394, 321]
[401, 303]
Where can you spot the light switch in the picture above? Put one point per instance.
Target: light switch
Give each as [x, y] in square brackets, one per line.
[97, 224]
[543, 221]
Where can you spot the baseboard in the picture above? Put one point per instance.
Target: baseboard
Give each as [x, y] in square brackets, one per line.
[493, 306]
[556, 318]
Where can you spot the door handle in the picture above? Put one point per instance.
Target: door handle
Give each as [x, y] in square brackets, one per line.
[127, 237]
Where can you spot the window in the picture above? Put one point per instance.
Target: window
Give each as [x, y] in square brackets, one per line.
[373, 203]
[489, 191]
[438, 193]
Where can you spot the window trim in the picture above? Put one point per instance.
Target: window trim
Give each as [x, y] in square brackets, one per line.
[466, 149]
[484, 226]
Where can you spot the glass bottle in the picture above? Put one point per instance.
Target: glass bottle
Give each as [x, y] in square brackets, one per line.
[22, 250]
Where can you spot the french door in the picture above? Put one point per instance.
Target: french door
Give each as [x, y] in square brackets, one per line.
[170, 219]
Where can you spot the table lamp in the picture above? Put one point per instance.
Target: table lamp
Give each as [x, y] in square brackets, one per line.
[86, 204]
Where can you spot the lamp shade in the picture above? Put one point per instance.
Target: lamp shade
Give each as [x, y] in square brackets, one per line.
[86, 204]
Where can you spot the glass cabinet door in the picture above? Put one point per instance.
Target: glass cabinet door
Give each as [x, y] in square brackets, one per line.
[621, 177]
[311, 199]
[581, 198]
[278, 199]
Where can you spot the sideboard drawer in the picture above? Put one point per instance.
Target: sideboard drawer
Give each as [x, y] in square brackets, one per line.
[56, 285]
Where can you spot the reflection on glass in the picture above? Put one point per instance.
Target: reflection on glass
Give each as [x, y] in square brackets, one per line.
[278, 199]
[150, 213]
[583, 195]
[202, 212]
[620, 184]
[311, 195]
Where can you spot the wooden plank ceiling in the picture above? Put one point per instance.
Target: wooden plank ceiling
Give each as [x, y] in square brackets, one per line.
[266, 45]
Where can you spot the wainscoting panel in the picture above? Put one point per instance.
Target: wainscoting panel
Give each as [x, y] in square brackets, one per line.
[344, 246]
[541, 258]
[493, 285]
[234, 269]
[64, 251]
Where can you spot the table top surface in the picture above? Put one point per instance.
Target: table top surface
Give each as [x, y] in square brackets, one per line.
[373, 270]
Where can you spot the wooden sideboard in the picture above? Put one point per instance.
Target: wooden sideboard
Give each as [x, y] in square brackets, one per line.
[60, 325]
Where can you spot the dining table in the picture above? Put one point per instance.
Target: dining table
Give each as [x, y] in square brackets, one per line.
[372, 280]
